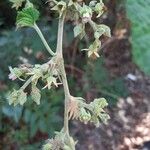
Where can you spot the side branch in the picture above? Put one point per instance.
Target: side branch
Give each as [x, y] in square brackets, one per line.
[62, 70]
[43, 39]
[26, 83]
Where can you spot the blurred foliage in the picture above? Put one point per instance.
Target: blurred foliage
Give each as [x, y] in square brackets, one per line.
[139, 14]
[43, 118]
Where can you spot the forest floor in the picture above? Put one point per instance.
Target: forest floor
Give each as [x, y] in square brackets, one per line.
[129, 126]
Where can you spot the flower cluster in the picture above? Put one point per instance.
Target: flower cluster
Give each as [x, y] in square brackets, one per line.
[82, 14]
[60, 141]
[47, 72]
[92, 112]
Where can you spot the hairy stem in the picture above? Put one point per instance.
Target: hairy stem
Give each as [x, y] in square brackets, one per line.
[62, 70]
[43, 39]
[60, 36]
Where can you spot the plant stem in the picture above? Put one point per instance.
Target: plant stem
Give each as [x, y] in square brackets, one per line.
[62, 70]
[26, 83]
[60, 36]
[43, 39]
[93, 25]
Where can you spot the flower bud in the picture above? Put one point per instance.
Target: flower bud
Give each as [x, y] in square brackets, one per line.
[86, 17]
[47, 146]
[84, 116]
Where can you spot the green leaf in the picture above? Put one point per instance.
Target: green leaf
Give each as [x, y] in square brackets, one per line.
[102, 30]
[79, 30]
[99, 9]
[85, 10]
[22, 97]
[17, 97]
[140, 37]
[27, 115]
[27, 17]
[60, 7]
[16, 3]
[85, 116]
[101, 102]
[104, 117]
[47, 146]
[13, 112]
[70, 3]
[15, 73]
[35, 94]
[92, 3]
[12, 97]
[37, 73]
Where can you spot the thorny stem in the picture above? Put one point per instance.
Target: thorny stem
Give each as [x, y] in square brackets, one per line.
[63, 72]
[43, 39]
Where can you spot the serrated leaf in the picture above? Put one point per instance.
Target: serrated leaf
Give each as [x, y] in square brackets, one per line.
[17, 97]
[12, 97]
[22, 97]
[27, 17]
[99, 9]
[60, 7]
[140, 32]
[104, 117]
[94, 48]
[101, 102]
[70, 3]
[92, 3]
[15, 73]
[103, 29]
[37, 73]
[85, 10]
[35, 94]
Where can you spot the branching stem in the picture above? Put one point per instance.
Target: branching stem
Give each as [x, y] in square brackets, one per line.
[26, 83]
[43, 39]
[62, 70]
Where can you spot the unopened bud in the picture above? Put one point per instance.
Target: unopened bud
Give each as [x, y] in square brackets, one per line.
[86, 17]
[47, 146]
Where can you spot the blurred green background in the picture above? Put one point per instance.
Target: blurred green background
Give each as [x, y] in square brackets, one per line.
[25, 128]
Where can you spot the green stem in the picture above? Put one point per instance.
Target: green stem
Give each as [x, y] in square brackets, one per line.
[63, 72]
[67, 98]
[60, 36]
[43, 39]
[93, 25]
[26, 83]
